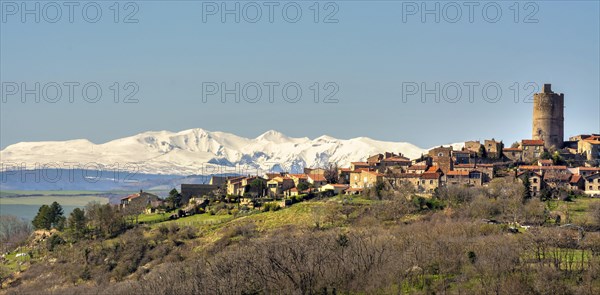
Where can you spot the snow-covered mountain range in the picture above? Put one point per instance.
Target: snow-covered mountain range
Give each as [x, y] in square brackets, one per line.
[200, 152]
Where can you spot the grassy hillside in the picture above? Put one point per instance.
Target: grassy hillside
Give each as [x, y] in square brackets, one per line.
[344, 244]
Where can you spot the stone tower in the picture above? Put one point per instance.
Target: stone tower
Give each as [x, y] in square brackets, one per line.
[548, 120]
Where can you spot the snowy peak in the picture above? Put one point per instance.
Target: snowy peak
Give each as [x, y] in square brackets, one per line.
[191, 151]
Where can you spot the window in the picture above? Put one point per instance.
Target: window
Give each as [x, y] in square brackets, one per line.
[440, 154]
[535, 180]
[431, 182]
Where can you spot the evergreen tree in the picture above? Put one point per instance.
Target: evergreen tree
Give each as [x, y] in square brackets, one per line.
[77, 222]
[43, 219]
[174, 198]
[482, 153]
[56, 216]
[527, 189]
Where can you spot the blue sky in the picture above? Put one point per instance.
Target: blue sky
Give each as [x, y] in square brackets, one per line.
[370, 53]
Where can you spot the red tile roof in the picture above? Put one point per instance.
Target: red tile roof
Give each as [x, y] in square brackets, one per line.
[430, 175]
[433, 169]
[317, 177]
[532, 142]
[458, 173]
[406, 175]
[536, 167]
[575, 178]
[300, 176]
[397, 159]
[464, 166]
[417, 167]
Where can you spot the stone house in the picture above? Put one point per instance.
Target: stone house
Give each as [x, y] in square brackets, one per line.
[429, 181]
[442, 157]
[365, 178]
[590, 148]
[532, 149]
[536, 182]
[299, 178]
[586, 171]
[472, 146]
[471, 178]
[141, 199]
[462, 157]
[394, 162]
[336, 188]
[278, 185]
[513, 154]
[557, 180]
[344, 175]
[317, 180]
[397, 178]
[493, 148]
[592, 184]
[576, 182]
[418, 169]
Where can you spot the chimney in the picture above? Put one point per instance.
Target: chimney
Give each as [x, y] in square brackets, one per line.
[547, 88]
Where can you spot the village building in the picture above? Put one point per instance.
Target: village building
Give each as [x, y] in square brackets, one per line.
[532, 149]
[592, 184]
[557, 180]
[344, 175]
[585, 171]
[590, 148]
[336, 188]
[299, 178]
[470, 178]
[473, 146]
[365, 178]
[513, 154]
[429, 181]
[442, 157]
[418, 169]
[536, 182]
[576, 182]
[462, 157]
[278, 185]
[141, 200]
[316, 180]
[493, 148]
[189, 191]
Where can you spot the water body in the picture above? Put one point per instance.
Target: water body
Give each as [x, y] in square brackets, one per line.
[27, 207]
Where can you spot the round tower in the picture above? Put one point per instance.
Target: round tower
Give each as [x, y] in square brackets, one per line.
[548, 120]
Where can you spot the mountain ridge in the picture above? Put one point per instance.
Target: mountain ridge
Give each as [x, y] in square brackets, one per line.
[194, 151]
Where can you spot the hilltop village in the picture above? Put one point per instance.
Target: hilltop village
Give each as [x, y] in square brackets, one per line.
[549, 167]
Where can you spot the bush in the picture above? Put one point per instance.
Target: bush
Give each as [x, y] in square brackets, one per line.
[270, 207]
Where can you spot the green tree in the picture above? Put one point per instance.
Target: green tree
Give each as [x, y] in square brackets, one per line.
[77, 222]
[258, 186]
[56, 216]
[482, 153]
[174, 198]
[527, 189]
[43, 219]
[546, 156]
[302, 186]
